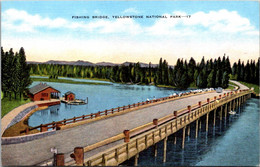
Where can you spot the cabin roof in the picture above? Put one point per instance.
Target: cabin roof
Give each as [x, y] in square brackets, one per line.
[40, 87]
[69, 92]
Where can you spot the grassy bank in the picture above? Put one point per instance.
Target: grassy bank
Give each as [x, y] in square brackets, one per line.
[249, 85]
[7, 105]
[67, 81]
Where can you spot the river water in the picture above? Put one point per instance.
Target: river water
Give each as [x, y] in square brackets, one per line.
[100, 98]
[234, 143]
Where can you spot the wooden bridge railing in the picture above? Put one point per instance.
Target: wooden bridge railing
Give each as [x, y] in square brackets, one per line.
[56, 125]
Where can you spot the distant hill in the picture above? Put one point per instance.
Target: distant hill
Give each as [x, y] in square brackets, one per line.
[106, 64]
[87, 63]
[141, 64]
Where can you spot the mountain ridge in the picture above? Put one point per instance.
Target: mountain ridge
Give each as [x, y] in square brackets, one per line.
[87, 63]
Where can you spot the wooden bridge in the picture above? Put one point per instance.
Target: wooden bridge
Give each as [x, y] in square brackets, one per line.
[114, 138]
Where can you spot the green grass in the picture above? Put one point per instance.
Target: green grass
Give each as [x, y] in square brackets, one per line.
[67, 81]
[7, 105]
[249, 85]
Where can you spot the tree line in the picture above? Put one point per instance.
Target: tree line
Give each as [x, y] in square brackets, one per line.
[248, 73]
[206, 73]
[15, 76]
[210, 73]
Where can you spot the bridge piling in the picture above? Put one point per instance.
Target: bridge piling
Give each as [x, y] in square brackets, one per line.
[136, 160]
[175, 139]
[165, 148]
[196, 130]
[207, 122]
[226, 106]
[183, 136]
[220, 113]
[155, 148]
[188, 130]
[214, 119]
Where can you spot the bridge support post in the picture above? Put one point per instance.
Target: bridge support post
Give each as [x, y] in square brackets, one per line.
[207, 122]
[196, 131]
[188, 131]
[136, 159]
[59, 159]
[226, 106]
[214, 119]
[230, 107]
[183, 136]
[78, 155]
[200, 124]
[175, 139]
[155, 148]
[220, 114]
[165, 148]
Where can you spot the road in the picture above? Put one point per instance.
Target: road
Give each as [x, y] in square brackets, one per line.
[36, 151]
[241, 86]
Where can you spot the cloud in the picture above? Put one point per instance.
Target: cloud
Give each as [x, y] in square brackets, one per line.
[212, 23]
[30, 23]
[131, 10]
[222, 21]
[21, 21]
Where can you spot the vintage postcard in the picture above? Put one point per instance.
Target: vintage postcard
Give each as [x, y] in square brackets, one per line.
[133, 83]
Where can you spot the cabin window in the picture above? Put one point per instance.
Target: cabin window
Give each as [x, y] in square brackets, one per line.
[44, 94]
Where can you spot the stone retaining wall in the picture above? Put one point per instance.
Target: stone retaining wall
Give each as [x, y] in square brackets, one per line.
[26, 138]
[20, 116]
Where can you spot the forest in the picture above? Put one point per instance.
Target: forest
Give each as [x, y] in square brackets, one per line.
[206, 73]
[15, 76]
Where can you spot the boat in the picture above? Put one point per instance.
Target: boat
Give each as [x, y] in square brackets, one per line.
[74, 102]
[232, 112]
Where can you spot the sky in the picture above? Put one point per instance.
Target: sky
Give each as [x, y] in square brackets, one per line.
[48, 30]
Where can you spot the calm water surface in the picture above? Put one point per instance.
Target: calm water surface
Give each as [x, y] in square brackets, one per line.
[100, 98]
[234, 143]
